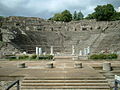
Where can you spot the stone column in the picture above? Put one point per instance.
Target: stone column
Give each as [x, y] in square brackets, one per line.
[107, 66]
[88, 50]
[80, 53]
[37, 51]
[40, 51]
[85, 51]
[73, 50]
[51, 51]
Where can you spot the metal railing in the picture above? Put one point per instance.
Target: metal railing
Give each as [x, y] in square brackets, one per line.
[14, 83]
[116, 84]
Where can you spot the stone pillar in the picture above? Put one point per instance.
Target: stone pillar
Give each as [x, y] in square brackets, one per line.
[88, 50]
[107, 66]
[85, 51]
[73, 50]
[40, 51]
[37, 51]
[49, 65]
[21, 65]
[80, 53]
[78, 65]
[51, 51]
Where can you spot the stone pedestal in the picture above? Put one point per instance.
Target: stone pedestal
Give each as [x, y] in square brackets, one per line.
[107, 66]
[78, 65]
[21, 65]
[49, 65]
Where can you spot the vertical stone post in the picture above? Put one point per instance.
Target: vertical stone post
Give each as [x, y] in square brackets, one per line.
[85, 52]
[37, 51]
[88, 50]
[51, 51]
[107, 66]
[80, 53]
[73, 50]
[40, 51]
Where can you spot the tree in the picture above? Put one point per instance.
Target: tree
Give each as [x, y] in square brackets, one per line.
[104, 13]
[80, 16]
[66, 16]
[56, 17]
[90, 16]
[116, 16]
[75, 16]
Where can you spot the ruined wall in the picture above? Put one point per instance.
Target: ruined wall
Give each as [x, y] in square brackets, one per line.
[25, 33]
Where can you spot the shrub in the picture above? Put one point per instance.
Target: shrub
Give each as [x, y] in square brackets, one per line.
[49, 57]
[10, 57]
[33, 56]
[23, 57]
[112, 56]
[104, 56]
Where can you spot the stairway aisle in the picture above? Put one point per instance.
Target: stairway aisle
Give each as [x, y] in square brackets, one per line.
[65, 76]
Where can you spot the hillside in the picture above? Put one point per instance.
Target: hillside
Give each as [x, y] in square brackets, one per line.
[21, 34]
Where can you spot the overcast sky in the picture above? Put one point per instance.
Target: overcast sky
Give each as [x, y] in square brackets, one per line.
[47, 8]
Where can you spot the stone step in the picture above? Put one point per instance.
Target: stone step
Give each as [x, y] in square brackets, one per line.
[66, 87]
[65, 78]
[64, 81]
[64, 84]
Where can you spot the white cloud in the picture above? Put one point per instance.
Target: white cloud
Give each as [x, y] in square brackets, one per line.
[46, 8]
[118, 9]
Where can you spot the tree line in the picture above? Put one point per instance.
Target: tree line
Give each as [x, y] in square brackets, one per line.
[101, 13]
[66, 16]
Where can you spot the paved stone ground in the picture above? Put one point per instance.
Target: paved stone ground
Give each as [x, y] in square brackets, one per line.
[63, 68]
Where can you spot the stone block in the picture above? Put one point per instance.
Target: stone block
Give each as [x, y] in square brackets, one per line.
[49, 65]
[107, 66]
[21, 65]
[78, 65]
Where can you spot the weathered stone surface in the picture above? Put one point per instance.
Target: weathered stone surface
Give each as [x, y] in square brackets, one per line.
[21, 65]
[107, 66]
[26, 33]
[49, 65]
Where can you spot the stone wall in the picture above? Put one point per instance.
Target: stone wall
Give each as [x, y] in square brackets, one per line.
[25, 33]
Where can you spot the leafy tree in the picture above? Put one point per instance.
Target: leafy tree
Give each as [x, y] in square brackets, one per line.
[1, 17]
[90, 16]
[66, 16]
[56, 17]
[104, 13]
[75, 16]
[116, 16]
[80, 15]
